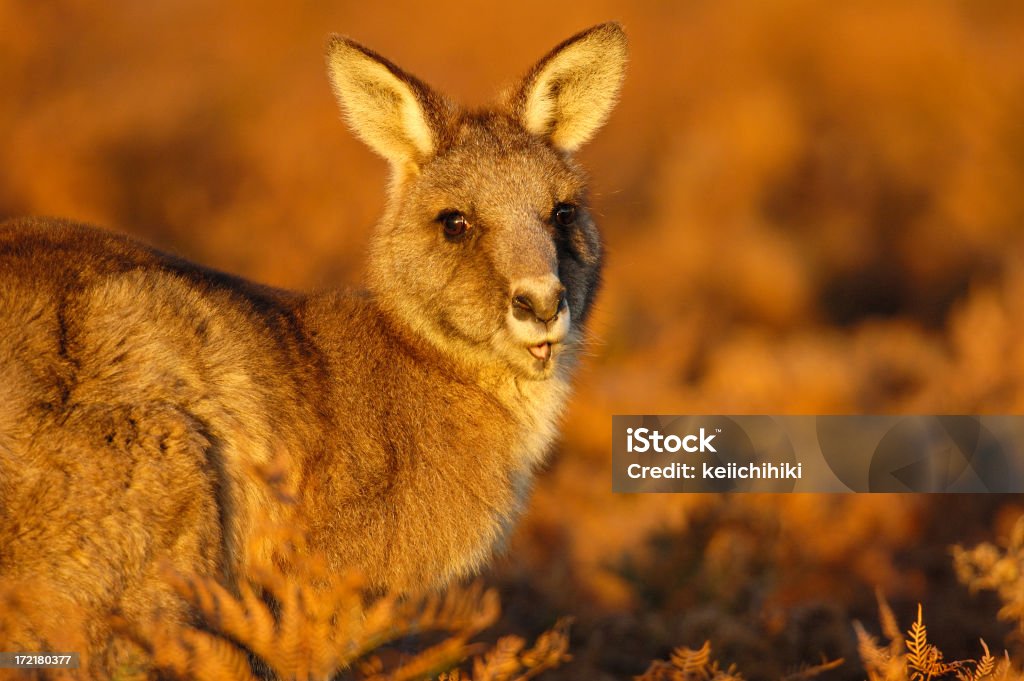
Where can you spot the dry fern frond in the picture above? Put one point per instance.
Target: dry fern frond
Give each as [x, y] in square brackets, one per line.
[890, 628]
[507, 661]
[917, 645]
[500, 662]
[464, 610]
[921, 660]
[189, 653]
[301, 640]
[693, 662]
[429, 663]
[550, 651]
[878, 661]
[986, 665]
[687, 664]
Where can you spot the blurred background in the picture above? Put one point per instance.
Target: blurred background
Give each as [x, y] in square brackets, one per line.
[809, 207]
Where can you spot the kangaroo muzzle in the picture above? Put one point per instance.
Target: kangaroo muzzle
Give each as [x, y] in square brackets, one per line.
[539, 300]
[539, 314]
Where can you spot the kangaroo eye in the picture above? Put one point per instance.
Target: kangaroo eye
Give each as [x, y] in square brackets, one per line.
[454, 224]
[564, 214]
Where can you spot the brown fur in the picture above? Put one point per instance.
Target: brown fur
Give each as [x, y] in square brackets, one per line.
[138, 390]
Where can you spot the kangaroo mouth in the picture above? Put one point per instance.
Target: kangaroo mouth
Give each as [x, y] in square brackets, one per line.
[541, 351]
[540, 360]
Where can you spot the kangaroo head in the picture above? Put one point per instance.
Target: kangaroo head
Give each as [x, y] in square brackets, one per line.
[487, 247]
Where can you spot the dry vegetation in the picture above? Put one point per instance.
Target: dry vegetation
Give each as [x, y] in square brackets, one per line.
[987, 567]
[810, 207]
[304, 622]
[913, 658]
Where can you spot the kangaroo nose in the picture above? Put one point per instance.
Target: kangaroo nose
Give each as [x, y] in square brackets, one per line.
[542, 303]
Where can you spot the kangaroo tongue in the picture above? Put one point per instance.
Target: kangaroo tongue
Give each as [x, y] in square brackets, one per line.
[541, 352]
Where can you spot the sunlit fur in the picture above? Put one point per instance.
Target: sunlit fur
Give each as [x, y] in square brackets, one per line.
[138, 390]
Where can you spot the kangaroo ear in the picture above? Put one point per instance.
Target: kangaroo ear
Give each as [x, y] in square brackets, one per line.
[396, 114]
[568, 95]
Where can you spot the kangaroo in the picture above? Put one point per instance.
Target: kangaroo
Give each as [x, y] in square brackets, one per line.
[138, 390]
